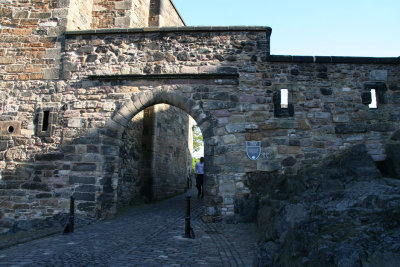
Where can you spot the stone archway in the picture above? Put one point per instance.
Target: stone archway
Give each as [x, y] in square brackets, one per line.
[116, 126]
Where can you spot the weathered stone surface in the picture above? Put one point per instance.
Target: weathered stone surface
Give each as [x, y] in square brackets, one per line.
[268, 166]
[183, 56]
[296, 218]
[84, 196]
[65, 88]
[396, 136]
[379, 75]
[36, 186]
[84, 167]
[351, 128]
[86, 206]
[392, 163]
[82, 180]
[288, 149]
[289, 161]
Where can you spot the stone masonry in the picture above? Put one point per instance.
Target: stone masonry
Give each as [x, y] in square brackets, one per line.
[71, 99]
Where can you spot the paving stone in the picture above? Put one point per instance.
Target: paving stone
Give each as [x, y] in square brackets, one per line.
[148, 235]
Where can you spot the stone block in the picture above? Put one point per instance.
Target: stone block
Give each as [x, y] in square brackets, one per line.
[381, 127]
[86, 206]
[378, 75]
[289, 149]
[123, 5]
[122, 22]
[50, 156]
[84, 196]
[15, 68]
[229, 139]
[289, 161]
[51, 74]
[235, 128]
[268, 166]
[36, 186]
[7, 60]
[183, 56]
[43, 195]
[84, 167]
[70, 66]
[227, 70]
[3, 145]
[323, 115]
[351, 128]
[75, 123]
[341, 118]
[82, 180]
[227, 187]
[86, 188]
[109, 150]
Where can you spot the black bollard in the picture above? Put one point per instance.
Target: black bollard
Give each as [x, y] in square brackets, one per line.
[69, 228]
[187, 219]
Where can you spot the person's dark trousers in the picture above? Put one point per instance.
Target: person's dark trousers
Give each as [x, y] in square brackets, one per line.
[199, 184]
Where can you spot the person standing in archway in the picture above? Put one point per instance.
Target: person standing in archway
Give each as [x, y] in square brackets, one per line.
[199, 171]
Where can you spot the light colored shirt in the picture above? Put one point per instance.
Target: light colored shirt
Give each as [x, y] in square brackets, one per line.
[199, 169]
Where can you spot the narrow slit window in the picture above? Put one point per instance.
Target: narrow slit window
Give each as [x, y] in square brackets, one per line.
[45, 124]
[284, 98]
[374, 100]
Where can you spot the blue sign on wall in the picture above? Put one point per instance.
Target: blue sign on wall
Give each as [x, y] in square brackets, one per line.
[253, 149]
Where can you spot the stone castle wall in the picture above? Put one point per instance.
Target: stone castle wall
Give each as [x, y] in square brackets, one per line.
[172, 156]
[163, 13]
[66, 118]
[169, 15]
[35, 178]
[155, 156]
[120, 14]
[80, 15]
[326, 94]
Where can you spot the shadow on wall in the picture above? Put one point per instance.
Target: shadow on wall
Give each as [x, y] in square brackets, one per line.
[99, 169]
[329, 214]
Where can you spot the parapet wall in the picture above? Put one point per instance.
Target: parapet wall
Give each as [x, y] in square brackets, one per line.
[224, 77]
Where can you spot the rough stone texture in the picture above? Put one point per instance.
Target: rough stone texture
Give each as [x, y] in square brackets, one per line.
[84, 111]
[392, 163]
[172, 156]
[120, 14]
[80, 15]
[136, 238]
[338, 214]
[155, 158]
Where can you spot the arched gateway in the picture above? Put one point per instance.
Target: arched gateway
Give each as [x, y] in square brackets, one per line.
[115, 126]
[66, 137]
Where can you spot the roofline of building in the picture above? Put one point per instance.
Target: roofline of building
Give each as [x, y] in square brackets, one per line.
[171, 29]
[177, 12]
[333, 59]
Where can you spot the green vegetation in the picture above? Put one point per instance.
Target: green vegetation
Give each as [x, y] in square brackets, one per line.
[194, 161]
[197, 138]
[197, 143]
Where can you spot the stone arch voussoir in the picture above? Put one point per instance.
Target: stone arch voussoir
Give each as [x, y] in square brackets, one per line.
[116, 125]
[143, 100]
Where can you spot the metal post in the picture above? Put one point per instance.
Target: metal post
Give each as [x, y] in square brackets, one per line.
[69, 228]
[187, 219]
[72, 214]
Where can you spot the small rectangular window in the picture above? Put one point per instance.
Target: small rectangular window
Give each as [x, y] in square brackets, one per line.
[45, 124]
[374, 100]
[284, 98]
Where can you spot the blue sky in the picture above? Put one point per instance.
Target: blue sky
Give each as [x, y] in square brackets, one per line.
[308, 27]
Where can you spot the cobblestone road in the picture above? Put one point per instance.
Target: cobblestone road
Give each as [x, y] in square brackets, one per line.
[148, 235]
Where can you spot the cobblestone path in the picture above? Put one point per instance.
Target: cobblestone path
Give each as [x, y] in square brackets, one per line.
[149, 235]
